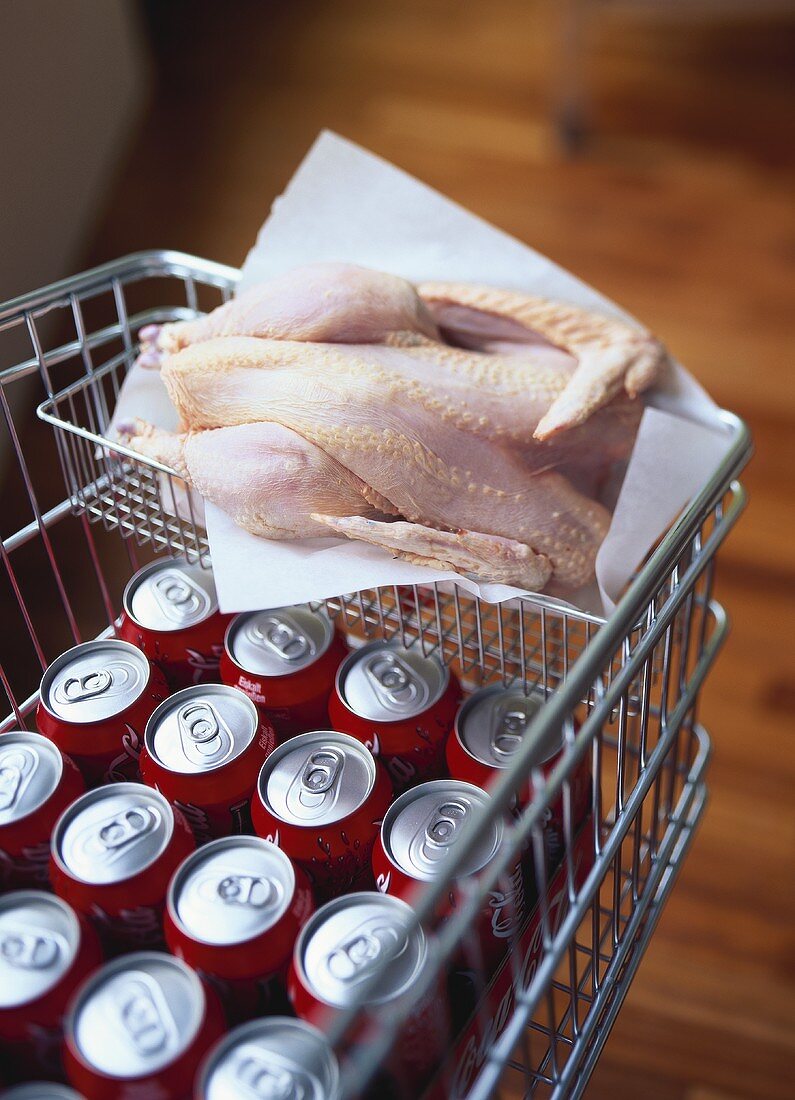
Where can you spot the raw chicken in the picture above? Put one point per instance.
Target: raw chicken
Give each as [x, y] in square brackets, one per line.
[328, 400]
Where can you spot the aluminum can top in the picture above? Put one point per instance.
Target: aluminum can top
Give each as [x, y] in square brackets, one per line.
[41, 1090]
[275, 1057]
[94, 681]
[201, 728]
[30, 770]
[350, 938]
[420, 828]
[39, 938]
[317, 778]
[166, 596]
[384, 682]
[112, 833]
[493, 722]
[279, 642]
[137, 1014]
[231, 890]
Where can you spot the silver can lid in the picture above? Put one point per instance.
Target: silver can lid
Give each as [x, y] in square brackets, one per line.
[420, 828]
[137, 1014]
[275, 1058]
[349, 938]
[279, 642]
[30, 770]
[231, 890]
[41, 1090]
[111, 833]
[95, 681]
[201, 728]
[39, 938]
[317, 778]
[494, 721]
[170, 595]
[384, 682]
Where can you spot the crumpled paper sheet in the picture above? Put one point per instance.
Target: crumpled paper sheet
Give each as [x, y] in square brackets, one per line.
[345, 204]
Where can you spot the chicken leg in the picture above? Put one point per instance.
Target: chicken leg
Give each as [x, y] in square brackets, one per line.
[267, 478]
[269, 481]
[485, 557]
[332, 303]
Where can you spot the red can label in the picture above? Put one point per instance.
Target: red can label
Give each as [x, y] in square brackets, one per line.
[424, 760]
[209, 822]
[29, 869]
[136, 928]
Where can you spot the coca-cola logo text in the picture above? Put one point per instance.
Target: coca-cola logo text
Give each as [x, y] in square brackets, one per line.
[124, 767]
[507, 906]
[203, 665]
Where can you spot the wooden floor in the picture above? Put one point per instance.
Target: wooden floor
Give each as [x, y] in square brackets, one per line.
[681, 208]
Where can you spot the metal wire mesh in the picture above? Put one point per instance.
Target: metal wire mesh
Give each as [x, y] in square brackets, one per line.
[622, 694]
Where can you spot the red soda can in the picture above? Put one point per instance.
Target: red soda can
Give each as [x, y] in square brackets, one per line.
[489, 728]
[170, 611]
[203, 749]
[37, 782]
[285, 660]
[418, 834]
[320, 797]
[270, 1058]
[233, 912]
[401, 705]
[113, 853]
[46, 950]
[138, 1028]
[94, 703]
[368, 949]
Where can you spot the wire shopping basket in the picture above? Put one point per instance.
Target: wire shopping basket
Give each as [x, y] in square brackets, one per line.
[621, 694]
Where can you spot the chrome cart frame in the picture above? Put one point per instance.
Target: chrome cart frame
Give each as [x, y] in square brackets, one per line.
[623, 693]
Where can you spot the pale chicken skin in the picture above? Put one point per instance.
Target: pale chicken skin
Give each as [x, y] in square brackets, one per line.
[461, 427]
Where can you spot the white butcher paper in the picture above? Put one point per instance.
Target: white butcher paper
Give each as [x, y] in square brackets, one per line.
[345, 204]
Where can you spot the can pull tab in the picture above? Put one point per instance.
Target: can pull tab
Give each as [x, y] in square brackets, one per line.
[17, 766]
[281, 634]
[27, 950]
[127, 827]
[178, 597]
[507, 730]
[394, 682]
[277, 1078]
[144, 1014]
[321, 771]
[247, 891]
[203, 734]
[373, 943]
[316, 787]
[76, 689]
[440, 831]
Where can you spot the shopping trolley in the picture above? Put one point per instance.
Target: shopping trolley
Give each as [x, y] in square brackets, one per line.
[622, 693]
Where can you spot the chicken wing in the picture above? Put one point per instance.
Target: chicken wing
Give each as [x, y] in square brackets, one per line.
[610, 354]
